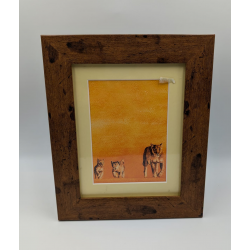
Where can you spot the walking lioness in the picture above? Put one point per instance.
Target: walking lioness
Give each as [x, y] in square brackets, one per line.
[98, 170]
[153, 156]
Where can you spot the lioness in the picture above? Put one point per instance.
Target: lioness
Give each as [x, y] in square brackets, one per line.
[118, 169]
[99, 170]
[153, 156]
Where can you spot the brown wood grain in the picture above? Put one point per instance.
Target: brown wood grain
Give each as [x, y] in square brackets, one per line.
[60, 52]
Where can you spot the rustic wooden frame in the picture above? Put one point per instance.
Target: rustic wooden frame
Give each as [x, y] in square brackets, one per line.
[60, 52]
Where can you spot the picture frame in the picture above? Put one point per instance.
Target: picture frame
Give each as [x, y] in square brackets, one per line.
[61, 52]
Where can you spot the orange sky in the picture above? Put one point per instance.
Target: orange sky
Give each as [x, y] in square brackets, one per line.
[126, 116]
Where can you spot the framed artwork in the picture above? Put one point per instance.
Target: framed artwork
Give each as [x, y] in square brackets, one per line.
[128, 117]
[123, 125]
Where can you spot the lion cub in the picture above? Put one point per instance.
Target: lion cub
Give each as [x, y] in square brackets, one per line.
[99, 170]
[118, 169]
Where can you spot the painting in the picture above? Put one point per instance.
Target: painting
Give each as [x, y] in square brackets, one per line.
[129, 130]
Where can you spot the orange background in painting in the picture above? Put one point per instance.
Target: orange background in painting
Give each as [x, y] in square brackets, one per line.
[126, 116]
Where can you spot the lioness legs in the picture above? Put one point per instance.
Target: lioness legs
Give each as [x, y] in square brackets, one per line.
[154, 167]
[161, 167]
[145, 171]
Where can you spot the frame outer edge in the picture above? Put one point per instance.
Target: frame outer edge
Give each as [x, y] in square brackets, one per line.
[59, 86]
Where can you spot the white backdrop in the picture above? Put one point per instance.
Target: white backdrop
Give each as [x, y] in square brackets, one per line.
[38, 220]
